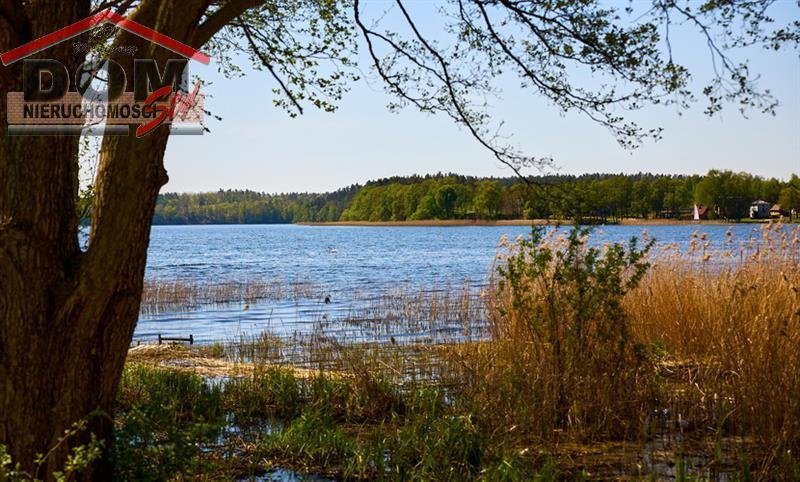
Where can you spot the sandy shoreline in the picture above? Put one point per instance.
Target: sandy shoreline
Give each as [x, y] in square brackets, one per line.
[511, 222]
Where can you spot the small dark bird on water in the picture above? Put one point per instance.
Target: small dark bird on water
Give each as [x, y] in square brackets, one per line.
[394, 342]
[327, 299]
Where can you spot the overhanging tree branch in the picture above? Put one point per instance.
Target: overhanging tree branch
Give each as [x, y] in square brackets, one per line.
[254, 48]
[220, 18]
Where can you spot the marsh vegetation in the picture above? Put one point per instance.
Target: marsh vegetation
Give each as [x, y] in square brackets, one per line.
[592, 362]
[623, 360]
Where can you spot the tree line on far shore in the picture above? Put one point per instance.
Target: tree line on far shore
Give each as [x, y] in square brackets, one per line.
[597, 197]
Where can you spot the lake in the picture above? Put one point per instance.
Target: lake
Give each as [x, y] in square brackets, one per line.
[367, 272]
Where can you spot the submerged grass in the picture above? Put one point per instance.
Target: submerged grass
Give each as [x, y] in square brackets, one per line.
[596, 364]
[163, 417]
[174, 423]
[183, 294]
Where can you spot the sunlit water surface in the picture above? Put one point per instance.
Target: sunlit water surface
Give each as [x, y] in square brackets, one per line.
[365, 271]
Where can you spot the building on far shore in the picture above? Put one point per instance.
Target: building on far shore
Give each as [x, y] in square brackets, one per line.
[759, 209]
[776, 212]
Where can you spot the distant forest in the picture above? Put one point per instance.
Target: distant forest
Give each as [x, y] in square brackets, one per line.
[606, 197]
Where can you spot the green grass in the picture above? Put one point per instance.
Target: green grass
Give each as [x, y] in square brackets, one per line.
[164, 416]
[268, 393]
[171, 423]
[176, 425]
[642, 357]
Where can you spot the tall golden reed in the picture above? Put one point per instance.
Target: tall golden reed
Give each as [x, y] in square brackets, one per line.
[729, 320]
[706, 344]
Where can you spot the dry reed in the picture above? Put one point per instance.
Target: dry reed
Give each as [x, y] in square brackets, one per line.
[707, 353]
[729, 321]
[702, 350]
[185, 294]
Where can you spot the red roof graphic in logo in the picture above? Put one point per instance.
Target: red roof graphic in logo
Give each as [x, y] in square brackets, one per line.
[106, 16]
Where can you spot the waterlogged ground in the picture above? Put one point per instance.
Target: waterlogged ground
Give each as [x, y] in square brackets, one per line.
[333, 358]
[273, 430]
[283, 475]
[367, 273]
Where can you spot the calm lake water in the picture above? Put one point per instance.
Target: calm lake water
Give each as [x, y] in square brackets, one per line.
[360, 268]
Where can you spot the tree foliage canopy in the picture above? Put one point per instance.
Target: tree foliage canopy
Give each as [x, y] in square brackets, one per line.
[451, 64]
[604, 197]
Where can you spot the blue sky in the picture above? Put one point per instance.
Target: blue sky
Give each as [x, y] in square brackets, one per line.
[257, 146]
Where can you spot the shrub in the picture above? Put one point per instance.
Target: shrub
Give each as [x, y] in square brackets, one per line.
[562, 356]
[78, 459]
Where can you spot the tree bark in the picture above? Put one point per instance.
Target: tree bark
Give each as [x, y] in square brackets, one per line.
[66, 316]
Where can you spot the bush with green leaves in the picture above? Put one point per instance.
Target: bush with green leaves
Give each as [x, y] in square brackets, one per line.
[562, 337]
[78, 459]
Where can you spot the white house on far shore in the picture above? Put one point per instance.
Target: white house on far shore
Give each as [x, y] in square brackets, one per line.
[759, 209]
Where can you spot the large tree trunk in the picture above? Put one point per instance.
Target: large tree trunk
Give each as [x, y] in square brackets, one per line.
[66, 316]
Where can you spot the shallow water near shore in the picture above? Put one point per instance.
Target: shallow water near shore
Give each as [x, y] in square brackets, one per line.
[363, 271]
